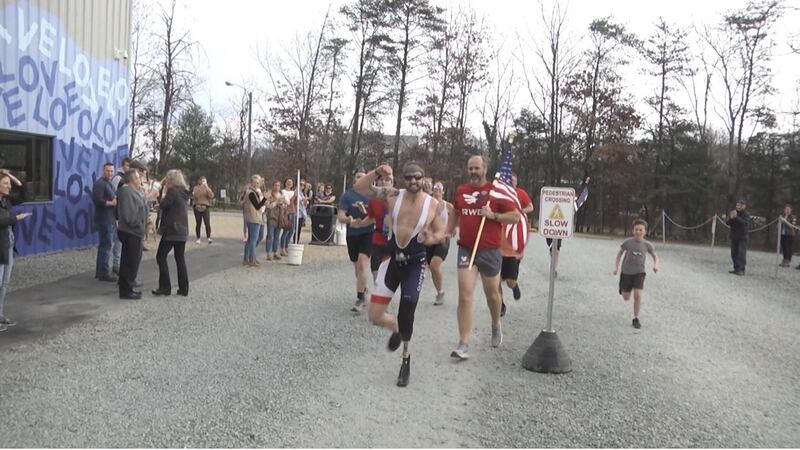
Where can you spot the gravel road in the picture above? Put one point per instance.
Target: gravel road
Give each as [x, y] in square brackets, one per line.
[272, 357]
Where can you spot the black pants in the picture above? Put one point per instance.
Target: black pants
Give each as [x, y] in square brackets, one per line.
[739, 254]
[786, 246]
[129, 261]
[199, 217]
[164, 248]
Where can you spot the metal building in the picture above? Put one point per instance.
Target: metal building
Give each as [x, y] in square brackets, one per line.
[64, 102]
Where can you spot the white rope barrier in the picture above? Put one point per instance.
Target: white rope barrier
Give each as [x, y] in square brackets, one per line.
[722, 221]
[716, 218]
[685, 227]
[764, 227]
[787, 223]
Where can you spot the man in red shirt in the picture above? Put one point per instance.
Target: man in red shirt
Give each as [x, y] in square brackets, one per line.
[510, 270]
[472, 203]
[377, 211]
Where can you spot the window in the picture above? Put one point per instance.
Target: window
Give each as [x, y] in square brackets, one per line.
[30, 158]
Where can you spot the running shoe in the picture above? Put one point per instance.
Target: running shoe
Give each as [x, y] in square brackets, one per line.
[461, 352]
[6, 321]
[3, 327]
[197, 241]
[439, 299]
[209, 240]
[517, 293]
[358, 306]
[636, 324]
[497, 337]
[405, 370]
[394, 342]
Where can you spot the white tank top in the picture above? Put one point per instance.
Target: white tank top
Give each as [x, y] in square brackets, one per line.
[420, 222]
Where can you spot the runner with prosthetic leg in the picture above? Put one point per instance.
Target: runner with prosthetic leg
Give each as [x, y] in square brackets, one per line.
[415, 222]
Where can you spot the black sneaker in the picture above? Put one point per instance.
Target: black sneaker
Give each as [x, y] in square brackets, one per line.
[503, 309]
[394, 342]
[6, 321]
[405, 370]
[740, 273]
[636, 324]
[109, 278]
[733, 271]
[517, 293]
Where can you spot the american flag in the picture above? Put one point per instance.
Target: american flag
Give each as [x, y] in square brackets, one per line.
[503, 189]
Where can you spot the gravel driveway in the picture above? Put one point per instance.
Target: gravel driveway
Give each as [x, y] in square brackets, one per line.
[272, 357]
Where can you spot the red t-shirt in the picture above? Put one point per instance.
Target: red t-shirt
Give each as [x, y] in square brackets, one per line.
[377, 210]
[468, 202]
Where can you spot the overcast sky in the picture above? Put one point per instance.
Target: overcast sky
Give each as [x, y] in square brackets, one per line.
[230, 32]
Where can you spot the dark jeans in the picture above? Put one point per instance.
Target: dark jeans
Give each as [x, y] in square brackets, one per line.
[786, 246]
[739, 254]
[105, 232]
[199, 217]
[164, 247]
[129, 261]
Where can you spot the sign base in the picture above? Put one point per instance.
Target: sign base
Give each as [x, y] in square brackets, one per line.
[547, 355]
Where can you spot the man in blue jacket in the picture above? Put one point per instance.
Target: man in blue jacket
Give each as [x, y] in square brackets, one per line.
[739, 221]
[105, 202]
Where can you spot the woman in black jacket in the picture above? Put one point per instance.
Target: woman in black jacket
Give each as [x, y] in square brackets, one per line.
[7, 221]
[174, 230]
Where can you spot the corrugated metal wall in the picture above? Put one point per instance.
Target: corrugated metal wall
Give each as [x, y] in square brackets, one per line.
[63, 74]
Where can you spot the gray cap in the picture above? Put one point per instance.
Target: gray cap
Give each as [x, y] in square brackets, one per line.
[413, 168]
[138, 165]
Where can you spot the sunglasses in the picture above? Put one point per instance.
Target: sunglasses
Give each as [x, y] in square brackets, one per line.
[413, 177]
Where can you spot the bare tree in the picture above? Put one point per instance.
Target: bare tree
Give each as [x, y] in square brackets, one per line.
[298, 84]
[559, 60]
[142, 80]
[415, 21]
[668, 55]
[743, 51]
[366, 21]
[499, 95]
[699, 91]
[175, 78]
[470, 64]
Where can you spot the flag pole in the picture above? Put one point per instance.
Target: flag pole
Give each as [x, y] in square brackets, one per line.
[477, 240]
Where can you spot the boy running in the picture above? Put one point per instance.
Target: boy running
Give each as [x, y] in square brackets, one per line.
[633, 267]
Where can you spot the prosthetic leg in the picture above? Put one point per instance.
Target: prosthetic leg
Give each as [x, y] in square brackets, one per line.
[405, 319]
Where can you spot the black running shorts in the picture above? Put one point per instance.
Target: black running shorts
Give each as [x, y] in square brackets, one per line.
[550, 243]
[361, 243]
[439, 250]
[379, 253]
[629, 282]
[510, 269]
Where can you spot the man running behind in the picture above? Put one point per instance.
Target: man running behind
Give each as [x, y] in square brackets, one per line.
[415, 222]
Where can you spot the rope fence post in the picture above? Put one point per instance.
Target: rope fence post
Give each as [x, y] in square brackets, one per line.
[663, 227]
[778, 245]
[713, 234]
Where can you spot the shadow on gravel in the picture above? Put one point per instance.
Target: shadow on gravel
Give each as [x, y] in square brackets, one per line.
[49, 308]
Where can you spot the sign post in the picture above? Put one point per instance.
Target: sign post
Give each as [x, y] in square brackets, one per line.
[556, 222]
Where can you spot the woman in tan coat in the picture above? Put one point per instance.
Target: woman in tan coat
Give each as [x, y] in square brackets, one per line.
[202, 196]
[274, 214]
